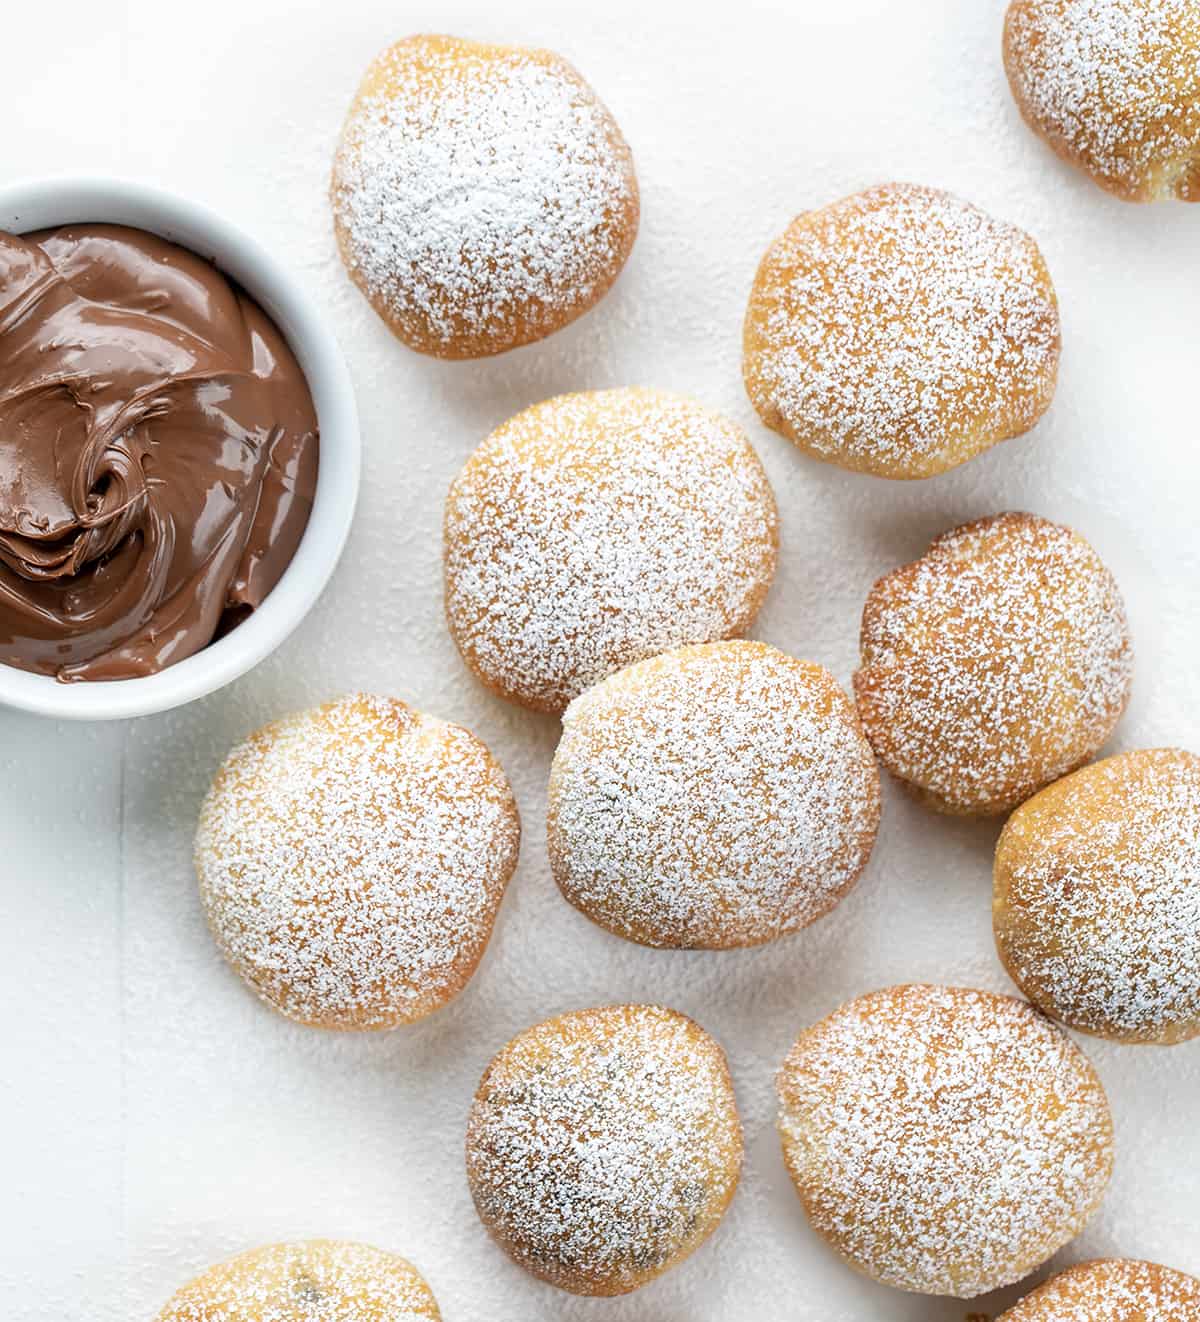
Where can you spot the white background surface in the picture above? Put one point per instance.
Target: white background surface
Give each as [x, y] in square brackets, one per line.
[153, 1117]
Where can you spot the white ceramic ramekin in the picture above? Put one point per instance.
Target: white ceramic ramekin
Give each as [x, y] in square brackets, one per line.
[37, 203]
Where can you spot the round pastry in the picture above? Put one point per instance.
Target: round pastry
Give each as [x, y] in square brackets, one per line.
[997, 662]
[1111, 1290]
[483, 197]
[594, 530]
[604, 1146]
[351, 861]
[317, 1281]
[1097, 897]
[901, 332]
[1114, 87]
[714, 796]
[943, 1141]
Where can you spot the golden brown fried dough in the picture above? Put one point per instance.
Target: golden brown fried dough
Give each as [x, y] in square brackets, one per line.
[1097, 897]
[711, 797]
[352, 859]
[994, 664]
[597, 529]
[604, 1146]
[1114, 87]
[942, 1140]
[306, 1282]
[1111, 1290]
[483, 197]
[901, 332]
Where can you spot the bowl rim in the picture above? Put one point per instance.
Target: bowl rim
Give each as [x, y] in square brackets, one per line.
[46, 200]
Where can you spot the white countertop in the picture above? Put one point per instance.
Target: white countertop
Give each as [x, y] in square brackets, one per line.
[155, 1118]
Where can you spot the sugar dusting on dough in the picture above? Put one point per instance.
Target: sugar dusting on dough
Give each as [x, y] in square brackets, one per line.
[901, 330]
[1102, 896]
[1115, 83]
[595, 530]
[947, 1141]
[994, 664]
[604, 1145]
[468, 206]
[318, 1281]
[1112, 1290]
[716, 795]
[351, 860]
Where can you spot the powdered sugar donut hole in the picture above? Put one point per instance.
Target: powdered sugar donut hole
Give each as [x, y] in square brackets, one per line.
[1112, 1290]
[319, 1278]
[942, 1140]
[1096, 904]
[901, 332]
[715, 796]
[996, 663]
[603, 1146]
[351, 861]
[483, 196]
[597, 529]
[1114, 87]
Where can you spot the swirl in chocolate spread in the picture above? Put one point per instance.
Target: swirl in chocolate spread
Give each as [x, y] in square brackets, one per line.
[158, 453]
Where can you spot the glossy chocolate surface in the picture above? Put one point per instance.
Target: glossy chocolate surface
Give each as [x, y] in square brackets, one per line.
[158, 453]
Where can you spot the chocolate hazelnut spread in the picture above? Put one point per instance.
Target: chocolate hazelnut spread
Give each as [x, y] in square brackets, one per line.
[158, 453]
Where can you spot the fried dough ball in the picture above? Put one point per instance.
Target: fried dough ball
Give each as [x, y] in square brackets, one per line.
[901, 332]
[318, 1281]
[483, 197]
[942, 1140]
[714, 796]
[1111, 1290]
[1097, 897]
[1114, 87]
[596, 529]
[351, 861]
[994, 664]
[604, 1146]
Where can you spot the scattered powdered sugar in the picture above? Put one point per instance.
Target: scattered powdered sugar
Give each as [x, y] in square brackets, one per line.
[715, 796]
[1113, 85]
[480, 188]
[317, 1281]
[352, 858]
[604, 1145]
[1098, 897]
[993, 665]
[594, 530]
[901, 331]
[1112, 1290]
[946, 1141]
